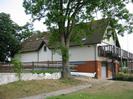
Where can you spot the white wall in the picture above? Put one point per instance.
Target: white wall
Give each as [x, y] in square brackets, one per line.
[84, 53]
[45, 55]
[57, 56]
[40, 55]
[110, 40]
[6, 78]
[28, 57]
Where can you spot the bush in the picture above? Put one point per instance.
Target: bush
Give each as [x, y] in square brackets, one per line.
[124, 76]
[17, 67]
[45, 71]
[125, 70]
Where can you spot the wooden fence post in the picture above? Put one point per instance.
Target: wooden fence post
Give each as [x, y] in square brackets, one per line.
[0, 67]
[48, 63]
[33, 66]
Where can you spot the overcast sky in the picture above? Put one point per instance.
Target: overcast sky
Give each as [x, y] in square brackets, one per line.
[16, 11]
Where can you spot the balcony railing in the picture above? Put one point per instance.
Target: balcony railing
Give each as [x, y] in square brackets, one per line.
[114, 52]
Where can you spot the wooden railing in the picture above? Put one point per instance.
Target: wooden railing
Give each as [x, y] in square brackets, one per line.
[29, 66]
[114, 52]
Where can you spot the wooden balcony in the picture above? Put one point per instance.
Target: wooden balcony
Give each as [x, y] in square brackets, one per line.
[114, 52]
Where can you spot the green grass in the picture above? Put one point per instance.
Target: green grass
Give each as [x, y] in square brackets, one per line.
[118, 90]
[27, 88]
[128, 95]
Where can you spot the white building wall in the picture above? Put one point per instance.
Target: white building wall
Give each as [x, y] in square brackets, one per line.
[45, 55]
[40, 55]
[28, 57]
[110, 40]
[57, 56]
[84, 53]
[48, 55]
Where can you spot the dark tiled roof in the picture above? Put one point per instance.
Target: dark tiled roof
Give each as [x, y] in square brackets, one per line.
[96, 34]
[36, 41]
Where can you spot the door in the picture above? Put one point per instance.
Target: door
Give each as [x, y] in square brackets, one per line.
[103, 71]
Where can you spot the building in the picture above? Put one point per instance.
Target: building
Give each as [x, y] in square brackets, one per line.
[100, 53]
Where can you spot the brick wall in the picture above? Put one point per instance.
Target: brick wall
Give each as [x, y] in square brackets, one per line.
[96, 66]
[117, 66]
[91, 67]
[98, 70]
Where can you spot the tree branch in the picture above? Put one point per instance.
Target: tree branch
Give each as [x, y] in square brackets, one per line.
[78, 7]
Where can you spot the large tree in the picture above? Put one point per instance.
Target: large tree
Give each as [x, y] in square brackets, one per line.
[62, 17]
[10, 36]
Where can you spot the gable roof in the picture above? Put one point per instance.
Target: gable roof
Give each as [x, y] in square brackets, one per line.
[35, 42]
[96, 34]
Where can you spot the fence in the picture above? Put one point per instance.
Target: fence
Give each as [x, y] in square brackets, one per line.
[30, 66]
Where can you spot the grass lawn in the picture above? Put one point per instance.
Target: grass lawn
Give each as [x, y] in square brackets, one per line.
[117, 90]
[27, 88]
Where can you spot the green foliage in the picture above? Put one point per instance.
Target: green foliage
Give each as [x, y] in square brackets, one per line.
[10, 36]
[46, 71]
[24, 31]
[124, 70]
[17, 68]
[124, 76]
[65, 53]
[9, 45]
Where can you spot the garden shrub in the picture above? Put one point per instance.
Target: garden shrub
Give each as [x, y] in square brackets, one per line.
[17, 67]
[45, 71]
[124, 76]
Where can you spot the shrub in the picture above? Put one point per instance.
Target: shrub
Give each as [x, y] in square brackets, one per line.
[124, 76]
[119, 76]
[17, 67]
[45, 71]
[125, 70]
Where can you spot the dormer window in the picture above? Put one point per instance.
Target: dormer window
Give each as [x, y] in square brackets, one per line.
[45, 48]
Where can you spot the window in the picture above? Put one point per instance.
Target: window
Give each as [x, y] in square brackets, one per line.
[45, 48]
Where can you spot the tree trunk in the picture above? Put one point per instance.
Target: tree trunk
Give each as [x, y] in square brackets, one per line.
[65, 61]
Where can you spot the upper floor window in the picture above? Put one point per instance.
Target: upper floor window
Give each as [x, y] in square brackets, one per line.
[45, 48]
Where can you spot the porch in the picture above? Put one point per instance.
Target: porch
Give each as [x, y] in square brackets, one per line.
[115, 53]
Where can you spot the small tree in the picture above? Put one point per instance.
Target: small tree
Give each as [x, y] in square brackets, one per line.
[17, 68]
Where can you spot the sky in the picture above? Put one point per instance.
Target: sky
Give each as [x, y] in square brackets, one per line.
[17, 14]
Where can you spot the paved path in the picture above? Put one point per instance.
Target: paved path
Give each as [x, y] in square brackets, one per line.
[59, 92]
